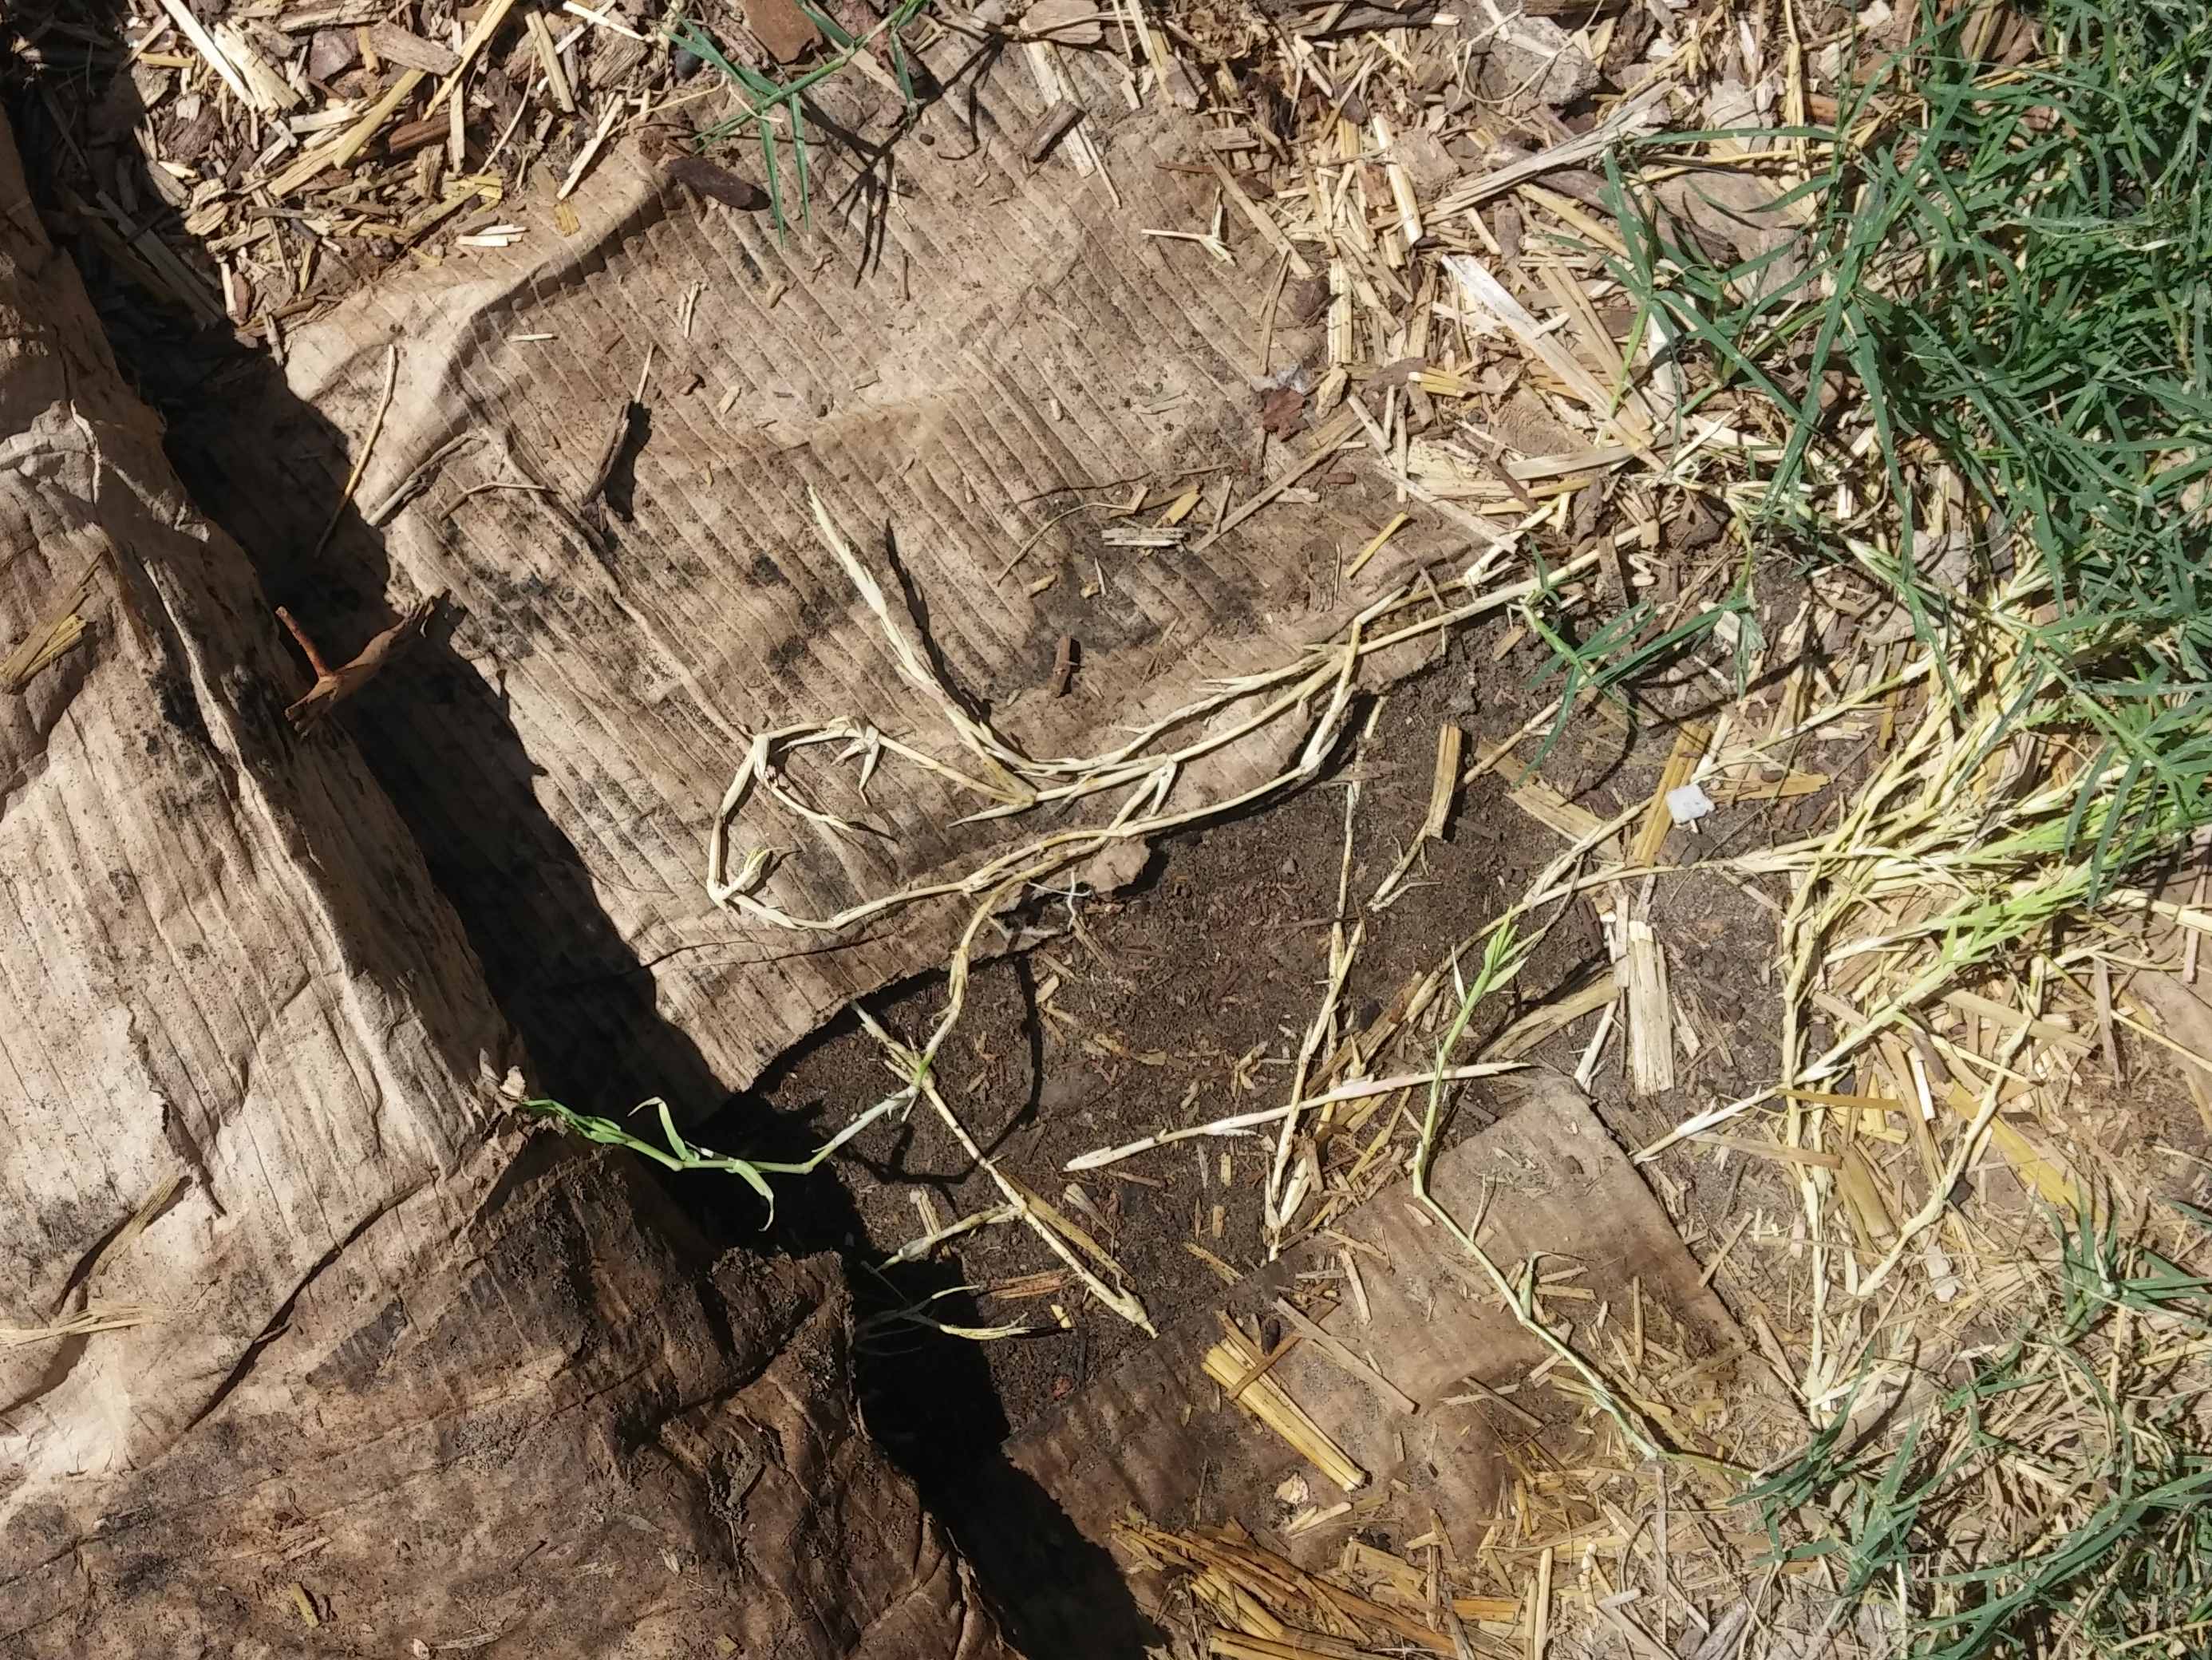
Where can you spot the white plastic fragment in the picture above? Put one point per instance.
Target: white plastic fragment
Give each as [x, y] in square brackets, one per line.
[1687, 804]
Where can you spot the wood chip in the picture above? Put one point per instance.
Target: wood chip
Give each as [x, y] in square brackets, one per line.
[486, 24]
[410, 50]
[1443, 780]
[206, 45]
[549, 62]
[342, 149]
[269, 91]
[1056, 124]
[1650, 1011]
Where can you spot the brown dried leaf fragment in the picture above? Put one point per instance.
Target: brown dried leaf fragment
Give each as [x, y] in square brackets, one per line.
[712, 180]
[1283, 410]
[333, 686]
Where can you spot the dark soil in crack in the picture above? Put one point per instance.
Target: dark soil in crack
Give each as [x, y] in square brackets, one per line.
[1184, 999]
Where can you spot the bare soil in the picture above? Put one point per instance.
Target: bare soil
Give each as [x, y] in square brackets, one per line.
[1217, 956]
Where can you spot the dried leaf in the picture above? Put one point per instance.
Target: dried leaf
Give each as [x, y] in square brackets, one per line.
[713, 180]
[333, 686]
[778, 25]
[1283, 410]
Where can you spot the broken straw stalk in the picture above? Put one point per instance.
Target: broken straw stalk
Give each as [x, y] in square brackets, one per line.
[1231, 1363]
[1243, 1123]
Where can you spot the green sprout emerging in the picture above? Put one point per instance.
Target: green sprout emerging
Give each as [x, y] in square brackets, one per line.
[682, 1155]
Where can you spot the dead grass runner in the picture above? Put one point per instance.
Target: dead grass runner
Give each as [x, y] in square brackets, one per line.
[1016, 783]
[1243, 1123]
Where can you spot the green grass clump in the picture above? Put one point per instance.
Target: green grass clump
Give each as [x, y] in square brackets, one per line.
[771, 98]
[1981, 356]
[2007, 269]
[2057, 1500]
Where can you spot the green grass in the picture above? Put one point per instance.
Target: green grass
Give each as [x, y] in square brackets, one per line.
[778, 106]
[680, 1154]
[2010, 270]
[2007, 276]
[2057, 1500]
[1623, 650]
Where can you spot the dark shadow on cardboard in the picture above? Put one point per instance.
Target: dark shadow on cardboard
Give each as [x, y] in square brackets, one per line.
[583, 1002]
